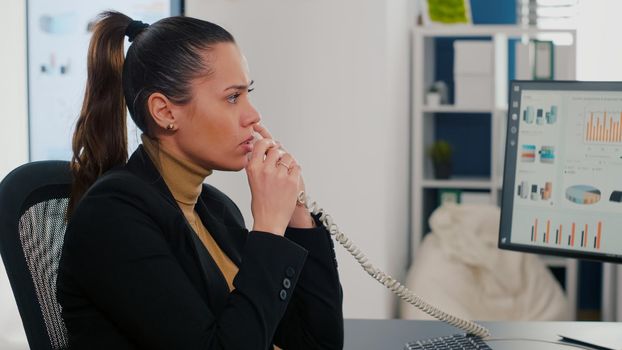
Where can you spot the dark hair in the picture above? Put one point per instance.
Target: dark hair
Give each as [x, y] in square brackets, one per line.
[164, 57]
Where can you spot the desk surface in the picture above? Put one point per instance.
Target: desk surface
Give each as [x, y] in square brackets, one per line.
[393, 334]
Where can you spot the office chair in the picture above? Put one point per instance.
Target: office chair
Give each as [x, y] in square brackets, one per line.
[33, 203]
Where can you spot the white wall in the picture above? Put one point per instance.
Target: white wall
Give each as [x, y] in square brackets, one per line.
[332, 83]
[13, 141]
[599, 48]
[400, 18]
[13, 118]
[599, 57]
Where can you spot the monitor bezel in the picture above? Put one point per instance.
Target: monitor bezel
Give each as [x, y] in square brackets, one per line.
[509, 169]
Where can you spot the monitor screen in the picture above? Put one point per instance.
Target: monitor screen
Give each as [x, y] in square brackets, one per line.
[562, 183]
[58, 39]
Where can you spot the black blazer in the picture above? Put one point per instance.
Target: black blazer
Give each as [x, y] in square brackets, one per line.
[134, 275]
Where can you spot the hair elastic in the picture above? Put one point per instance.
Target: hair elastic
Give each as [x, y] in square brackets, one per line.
[134, 28]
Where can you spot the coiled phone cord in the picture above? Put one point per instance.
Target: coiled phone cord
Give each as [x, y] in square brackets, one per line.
[386, 280]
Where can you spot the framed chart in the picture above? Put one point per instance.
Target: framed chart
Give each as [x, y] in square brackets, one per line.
[58, 37]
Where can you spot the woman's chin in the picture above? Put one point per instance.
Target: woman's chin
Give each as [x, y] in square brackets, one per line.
[237, 166]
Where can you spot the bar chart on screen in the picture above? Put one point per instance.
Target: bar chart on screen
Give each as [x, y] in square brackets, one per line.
[603, 127]
[568, 235]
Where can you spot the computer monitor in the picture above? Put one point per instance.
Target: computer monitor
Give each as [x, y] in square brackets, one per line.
[562, 183]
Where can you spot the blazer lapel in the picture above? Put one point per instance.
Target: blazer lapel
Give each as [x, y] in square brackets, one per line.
[141, 165]
[222, 234]
[213, 280]
[218, 290]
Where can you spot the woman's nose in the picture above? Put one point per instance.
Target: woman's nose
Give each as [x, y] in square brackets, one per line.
[251, 116]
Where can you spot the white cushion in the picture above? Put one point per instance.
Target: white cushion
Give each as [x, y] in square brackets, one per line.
[459, 268]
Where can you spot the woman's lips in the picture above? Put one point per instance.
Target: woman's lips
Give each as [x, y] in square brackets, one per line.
[247, 145]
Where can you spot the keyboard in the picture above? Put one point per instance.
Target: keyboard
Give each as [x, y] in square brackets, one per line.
[456, 341]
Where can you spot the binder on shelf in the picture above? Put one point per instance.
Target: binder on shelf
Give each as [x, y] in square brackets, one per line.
[543, 60]
[473, 73]
[562, 65]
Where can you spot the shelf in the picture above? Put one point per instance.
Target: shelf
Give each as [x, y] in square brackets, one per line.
[554, 261]
[485, 30]
[424, 121]
[456, 109]
[499, 184]
[476, 183]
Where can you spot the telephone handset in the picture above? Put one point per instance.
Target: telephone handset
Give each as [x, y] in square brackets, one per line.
[392, 284]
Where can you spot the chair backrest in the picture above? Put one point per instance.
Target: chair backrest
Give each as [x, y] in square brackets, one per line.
[33, 203]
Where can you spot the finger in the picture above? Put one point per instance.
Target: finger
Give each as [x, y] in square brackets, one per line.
[285, 163]
[295, 171]
[273, 156]
[263, 131]
[291, 161]
[282, 167]
[260, 149]
[294, 164]
[287, 159]
[280, 145]
[294, 161]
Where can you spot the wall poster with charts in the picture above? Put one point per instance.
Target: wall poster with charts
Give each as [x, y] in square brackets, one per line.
[58, 38]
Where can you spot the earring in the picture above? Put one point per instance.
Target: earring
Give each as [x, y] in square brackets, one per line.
[170, 126]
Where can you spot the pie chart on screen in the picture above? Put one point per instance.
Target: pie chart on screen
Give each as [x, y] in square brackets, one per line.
[583, 194]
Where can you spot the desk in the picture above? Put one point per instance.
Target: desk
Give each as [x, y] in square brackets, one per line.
[393, 334]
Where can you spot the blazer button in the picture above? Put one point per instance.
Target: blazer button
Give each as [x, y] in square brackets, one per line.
[290, 272]
[287, 283]
[283, 294]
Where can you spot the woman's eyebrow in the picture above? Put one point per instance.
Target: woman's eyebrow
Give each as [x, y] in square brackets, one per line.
[240, 87]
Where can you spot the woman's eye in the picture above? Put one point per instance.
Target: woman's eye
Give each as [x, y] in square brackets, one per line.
[233, 98]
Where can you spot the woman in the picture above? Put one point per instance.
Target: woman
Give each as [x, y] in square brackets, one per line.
[155, 259]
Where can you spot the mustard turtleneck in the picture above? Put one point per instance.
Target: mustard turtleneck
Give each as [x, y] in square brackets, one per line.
[185, 181]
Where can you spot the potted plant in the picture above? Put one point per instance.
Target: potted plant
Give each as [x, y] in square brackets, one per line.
[433, 96]
[440, 152]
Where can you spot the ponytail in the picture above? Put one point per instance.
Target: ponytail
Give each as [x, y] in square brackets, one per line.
[100, 138]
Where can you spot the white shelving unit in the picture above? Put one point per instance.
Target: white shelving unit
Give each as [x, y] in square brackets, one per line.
[423, 123]
[612, 293]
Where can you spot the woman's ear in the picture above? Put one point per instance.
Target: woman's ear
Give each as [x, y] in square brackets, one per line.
[160, 108]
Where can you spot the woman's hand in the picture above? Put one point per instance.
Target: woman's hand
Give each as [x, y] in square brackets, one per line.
[274, 178]
[300, 217]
